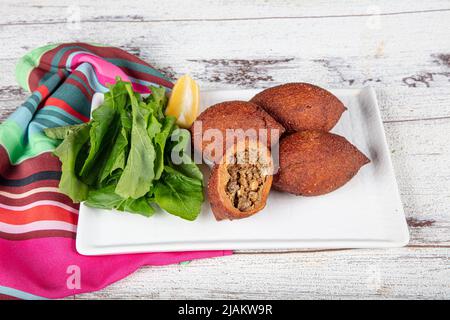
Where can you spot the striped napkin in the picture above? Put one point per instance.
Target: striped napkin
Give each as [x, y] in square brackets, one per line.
[38, 223]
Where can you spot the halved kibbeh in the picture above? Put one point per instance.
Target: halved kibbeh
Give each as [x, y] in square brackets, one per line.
[239, 186]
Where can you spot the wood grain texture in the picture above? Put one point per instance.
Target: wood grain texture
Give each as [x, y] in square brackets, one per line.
[400, 48]
[349, 274]
[352, 50]
[47, 12]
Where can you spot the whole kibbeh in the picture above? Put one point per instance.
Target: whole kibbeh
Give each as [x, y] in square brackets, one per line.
[301, 106]
[239, 186]
[316, 162]
[239, 116]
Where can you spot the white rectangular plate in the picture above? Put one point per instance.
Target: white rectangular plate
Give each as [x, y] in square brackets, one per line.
[364, 213]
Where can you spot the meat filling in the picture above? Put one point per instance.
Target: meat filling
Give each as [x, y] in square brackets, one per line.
[245, 184]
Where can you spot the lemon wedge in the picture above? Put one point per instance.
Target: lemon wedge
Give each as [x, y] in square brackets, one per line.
[184, 101]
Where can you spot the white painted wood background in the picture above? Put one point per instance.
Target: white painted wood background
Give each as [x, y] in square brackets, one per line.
[402, 48]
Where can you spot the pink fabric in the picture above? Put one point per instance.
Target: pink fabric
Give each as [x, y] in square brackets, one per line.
[105, 71]
[48, 277]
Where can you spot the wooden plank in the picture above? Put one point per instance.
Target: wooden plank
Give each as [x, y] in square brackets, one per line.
[351, 274]
[420, 156]
[356, 53]
[48, 12]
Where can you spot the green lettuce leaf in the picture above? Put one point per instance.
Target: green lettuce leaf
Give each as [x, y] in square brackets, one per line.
[104, 128]
[106, 198]
[68, 152]
[140, 206]
[60, 133]
[160, 143]
[157, 101]
[179, 156]
[153, 127]
[138, 175]
[117, 156]
[179, 195]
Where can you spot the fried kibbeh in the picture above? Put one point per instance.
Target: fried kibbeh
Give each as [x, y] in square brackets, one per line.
[301, 106]
[239, 116]
[316, 162]
[239, 186]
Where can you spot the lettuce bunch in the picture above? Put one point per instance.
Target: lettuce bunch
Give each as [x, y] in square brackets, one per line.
[123, 158]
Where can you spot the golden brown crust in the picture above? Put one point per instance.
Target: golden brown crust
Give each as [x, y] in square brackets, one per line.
[233, 115]
[221, 204]
[301, 106]
[316, 162]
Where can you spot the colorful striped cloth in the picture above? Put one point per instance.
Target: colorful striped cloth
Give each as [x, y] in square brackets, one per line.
[38, 223]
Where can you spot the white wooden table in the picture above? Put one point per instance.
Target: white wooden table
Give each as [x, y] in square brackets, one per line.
[402, 48]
